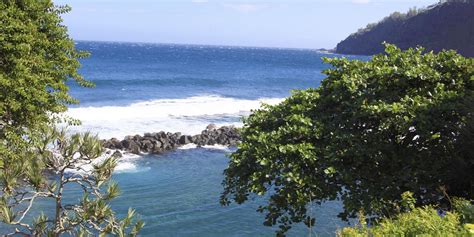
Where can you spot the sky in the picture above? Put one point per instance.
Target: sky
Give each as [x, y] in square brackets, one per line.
[262, 23]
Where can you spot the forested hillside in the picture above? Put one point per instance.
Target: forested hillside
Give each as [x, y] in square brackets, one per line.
[446, 25]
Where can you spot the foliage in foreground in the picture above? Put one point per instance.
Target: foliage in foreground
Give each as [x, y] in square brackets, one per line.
[59, 163]
[421, 221]
[373, 130]
[37, 58]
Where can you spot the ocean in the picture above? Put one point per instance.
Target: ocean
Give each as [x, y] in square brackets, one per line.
[183, 88]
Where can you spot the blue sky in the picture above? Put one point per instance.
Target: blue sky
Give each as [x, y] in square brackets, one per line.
[277, 23]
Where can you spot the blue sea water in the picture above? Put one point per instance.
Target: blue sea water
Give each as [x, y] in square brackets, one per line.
[182, 88]
[133, 72]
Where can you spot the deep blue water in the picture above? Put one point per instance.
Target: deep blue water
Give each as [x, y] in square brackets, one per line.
[128, 72]
[151, 87]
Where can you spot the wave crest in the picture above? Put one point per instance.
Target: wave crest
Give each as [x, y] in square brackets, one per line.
[189, 115]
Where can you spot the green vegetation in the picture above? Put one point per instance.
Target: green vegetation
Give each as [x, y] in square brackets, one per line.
[372, 131]
[37, 58]
[421, 221]
[393, 17]
[60, 155]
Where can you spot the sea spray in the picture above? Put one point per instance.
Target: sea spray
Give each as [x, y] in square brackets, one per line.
[188, 115]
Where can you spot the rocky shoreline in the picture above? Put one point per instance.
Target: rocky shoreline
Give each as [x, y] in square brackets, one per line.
[159, 142]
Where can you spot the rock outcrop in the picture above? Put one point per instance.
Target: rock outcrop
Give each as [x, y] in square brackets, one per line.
[159, 142]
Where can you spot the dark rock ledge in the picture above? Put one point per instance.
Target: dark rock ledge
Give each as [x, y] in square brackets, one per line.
[159, 142]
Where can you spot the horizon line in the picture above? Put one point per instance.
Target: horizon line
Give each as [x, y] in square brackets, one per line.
[205, 45]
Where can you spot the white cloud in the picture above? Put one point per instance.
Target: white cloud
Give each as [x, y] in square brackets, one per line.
[245, 7]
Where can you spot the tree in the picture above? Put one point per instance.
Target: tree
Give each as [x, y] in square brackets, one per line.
[75, 160]
[37, 58]
[372, 131]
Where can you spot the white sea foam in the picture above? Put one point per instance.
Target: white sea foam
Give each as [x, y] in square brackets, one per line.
[126, 164]
[211, 147]
[217, 147]
[187, 146]
[125, 167]
[188, 116]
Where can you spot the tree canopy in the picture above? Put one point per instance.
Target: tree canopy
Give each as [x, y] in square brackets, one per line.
[37, 58]
[373, 130]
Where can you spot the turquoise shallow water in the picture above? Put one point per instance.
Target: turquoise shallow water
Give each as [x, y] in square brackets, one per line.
[177, 194]
[148, 88]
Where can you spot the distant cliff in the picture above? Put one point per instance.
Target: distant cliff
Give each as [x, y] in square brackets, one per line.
[447, 25]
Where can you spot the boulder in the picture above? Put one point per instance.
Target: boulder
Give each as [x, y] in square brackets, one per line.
[132, 146]
[211, 142]
[137, 138]
[196, 139]
[221, 139]
[108, 144]
[117, 144]
[117, 154]
[148, 135]
[184, 139]
[147, 146]
[211, 127]
[157, 150]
